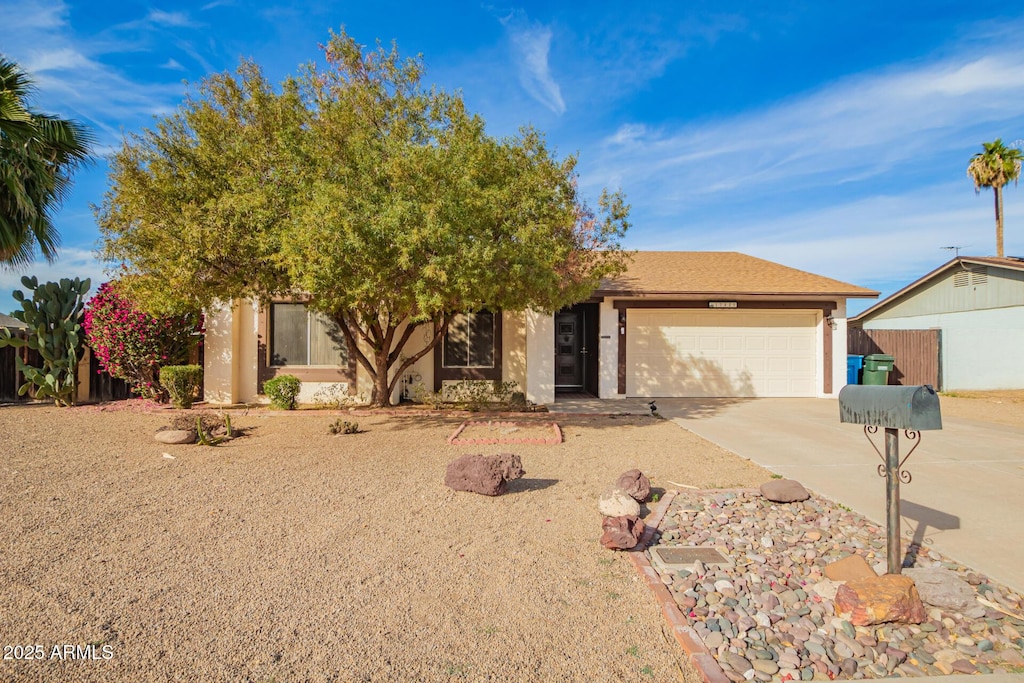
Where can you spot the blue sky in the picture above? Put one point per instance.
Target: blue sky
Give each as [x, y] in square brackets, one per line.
[827, 136]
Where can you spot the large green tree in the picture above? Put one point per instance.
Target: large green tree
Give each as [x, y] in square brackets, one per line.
[38, 154]
[382, 201]
[994, 167]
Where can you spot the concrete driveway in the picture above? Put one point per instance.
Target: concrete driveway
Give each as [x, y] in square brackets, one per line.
[966, 498]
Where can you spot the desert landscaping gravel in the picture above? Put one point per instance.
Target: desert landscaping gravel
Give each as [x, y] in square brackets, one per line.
[293, 555]
[770, 615]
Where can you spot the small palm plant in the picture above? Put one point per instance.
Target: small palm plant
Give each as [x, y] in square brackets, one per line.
[994, 167]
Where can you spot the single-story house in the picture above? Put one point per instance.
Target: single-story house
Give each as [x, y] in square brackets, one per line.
[977, 303]
[11, 323]
[675, 324]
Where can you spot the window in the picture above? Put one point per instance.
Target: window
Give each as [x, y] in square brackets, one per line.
[302, 337]
[469, 341]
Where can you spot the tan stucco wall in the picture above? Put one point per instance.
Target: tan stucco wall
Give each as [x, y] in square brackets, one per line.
[231, 358]
[217, 355]
[540, 357]
[513, 348]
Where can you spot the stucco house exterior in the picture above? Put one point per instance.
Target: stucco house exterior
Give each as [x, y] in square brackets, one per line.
[977, 303]
[676, 324]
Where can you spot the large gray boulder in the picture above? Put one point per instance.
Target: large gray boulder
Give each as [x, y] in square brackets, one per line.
[176, 436]
[487, 475]
[784, 491]
[942, 588]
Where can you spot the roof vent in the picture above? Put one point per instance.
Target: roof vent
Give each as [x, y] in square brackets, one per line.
[961, 278]
[979, 276]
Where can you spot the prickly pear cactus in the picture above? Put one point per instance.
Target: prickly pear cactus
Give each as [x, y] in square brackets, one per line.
[54, 317]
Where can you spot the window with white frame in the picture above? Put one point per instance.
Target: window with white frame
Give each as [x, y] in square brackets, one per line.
[299, 336]
[469, 341]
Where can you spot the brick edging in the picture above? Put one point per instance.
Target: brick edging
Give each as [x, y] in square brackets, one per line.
[454, 439]
[699, 656]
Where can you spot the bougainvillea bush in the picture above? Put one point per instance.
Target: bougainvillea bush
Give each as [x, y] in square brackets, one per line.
[133, 345]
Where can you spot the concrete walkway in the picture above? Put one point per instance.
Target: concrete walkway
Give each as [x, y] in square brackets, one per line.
[966, 498]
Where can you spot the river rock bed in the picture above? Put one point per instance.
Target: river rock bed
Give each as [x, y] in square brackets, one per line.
[772, 617]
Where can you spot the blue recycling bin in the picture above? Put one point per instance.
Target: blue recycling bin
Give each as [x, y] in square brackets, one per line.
[854, 364]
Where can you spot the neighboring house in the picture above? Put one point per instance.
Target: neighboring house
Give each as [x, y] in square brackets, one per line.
[11, 323]
[977, 303]
[710, 324]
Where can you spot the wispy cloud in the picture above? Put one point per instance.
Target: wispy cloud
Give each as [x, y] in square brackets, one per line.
[177, 19]
[531, 47]
[172, 64]
[31, 16]
[855, 129]
[75, 74]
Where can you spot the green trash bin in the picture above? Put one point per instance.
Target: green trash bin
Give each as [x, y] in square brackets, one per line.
[877, 367]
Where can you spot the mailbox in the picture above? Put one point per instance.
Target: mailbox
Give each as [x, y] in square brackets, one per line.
[913, 408]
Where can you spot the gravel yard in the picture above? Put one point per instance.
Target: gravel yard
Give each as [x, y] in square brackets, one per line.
[291, 554]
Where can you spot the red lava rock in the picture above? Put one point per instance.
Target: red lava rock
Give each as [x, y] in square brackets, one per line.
[881, 599]
[621, 533]
[850, 568]
[635, 483]
[484, 474]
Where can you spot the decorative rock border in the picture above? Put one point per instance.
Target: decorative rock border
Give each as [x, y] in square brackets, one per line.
[771, 619]
[456, 441]
[700, 657]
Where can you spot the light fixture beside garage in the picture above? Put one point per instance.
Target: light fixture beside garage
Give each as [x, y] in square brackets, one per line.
[721, 304]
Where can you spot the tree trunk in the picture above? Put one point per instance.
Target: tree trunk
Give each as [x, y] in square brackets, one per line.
[999, 220]
[381, 396]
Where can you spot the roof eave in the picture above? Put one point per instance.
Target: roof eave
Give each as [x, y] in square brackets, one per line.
[864, 294]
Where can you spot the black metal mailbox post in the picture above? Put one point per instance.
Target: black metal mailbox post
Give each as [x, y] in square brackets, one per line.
[912, 409]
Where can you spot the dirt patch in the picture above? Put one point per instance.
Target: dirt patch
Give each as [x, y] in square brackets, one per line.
[295, 555]
[999, 407]
[492, 432]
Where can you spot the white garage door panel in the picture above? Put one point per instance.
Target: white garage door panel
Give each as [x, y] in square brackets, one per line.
[720, 353]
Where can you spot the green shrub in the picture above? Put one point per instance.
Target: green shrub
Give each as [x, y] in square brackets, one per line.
[181, 383]
[282, 391]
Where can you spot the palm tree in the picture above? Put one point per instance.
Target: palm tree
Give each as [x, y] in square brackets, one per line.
[38, 154]
[995, 167]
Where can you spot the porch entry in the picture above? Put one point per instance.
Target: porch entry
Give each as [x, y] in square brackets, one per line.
[576, 344]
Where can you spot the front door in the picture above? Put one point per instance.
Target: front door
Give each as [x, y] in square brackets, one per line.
[569, 351]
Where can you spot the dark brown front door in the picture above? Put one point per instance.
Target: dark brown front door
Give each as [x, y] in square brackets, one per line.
[569, 360]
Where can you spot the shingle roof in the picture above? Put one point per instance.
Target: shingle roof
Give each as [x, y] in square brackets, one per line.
[720, 272]
[8, 321]
[1011, 262]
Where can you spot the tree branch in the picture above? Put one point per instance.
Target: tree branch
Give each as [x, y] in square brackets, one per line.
[438, 336]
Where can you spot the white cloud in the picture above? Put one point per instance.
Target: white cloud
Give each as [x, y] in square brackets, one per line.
[531, 43]
[64, 58]
[175, 19]
[73, 73]
[627, 133]
[881, 238]
[31, 15]
[70, 263]
[172, 64]
[851, 130]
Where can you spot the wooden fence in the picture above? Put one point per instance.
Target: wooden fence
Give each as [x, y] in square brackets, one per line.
[10, 378]
[917, 353]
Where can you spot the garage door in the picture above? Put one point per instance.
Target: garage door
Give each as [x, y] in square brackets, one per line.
[720, 353]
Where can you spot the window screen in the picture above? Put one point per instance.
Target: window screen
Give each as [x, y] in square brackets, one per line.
[300, 337]
[469, 342]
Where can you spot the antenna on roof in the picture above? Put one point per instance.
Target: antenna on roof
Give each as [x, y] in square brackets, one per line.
[956, 249]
